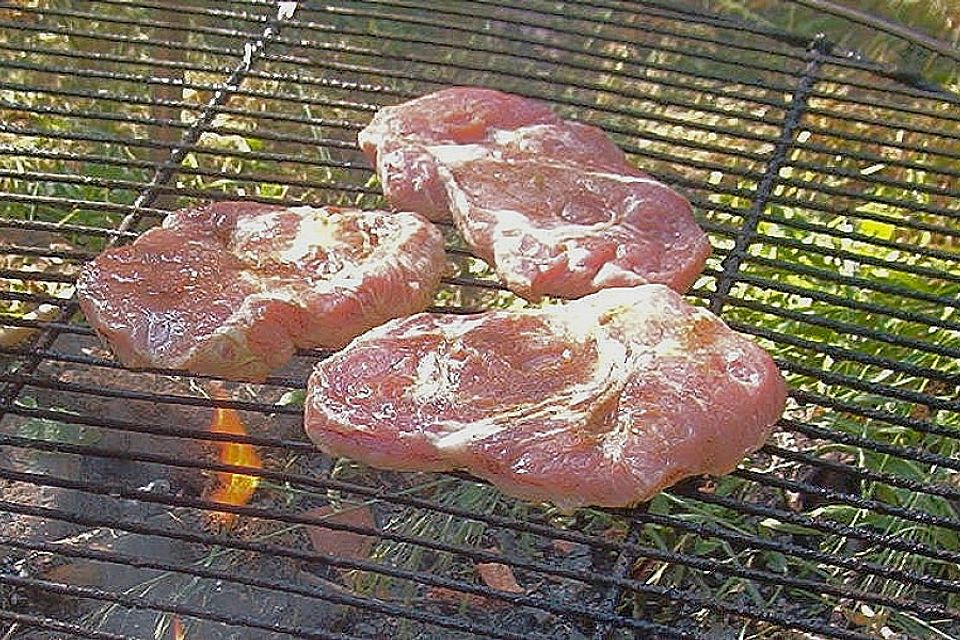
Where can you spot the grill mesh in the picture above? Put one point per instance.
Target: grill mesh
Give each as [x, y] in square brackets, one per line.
[827, 185]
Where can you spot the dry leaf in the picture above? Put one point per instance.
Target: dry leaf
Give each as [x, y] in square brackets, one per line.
[80, 572]
[616, 533]
[451, 596]
[177, 632]
[499, 576]
[866, 616]
[563, 547]
[339, 543]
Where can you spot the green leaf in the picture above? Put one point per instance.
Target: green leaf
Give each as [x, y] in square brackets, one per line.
[877, 229]
[56, 431]
[786, 527]
[293, 398]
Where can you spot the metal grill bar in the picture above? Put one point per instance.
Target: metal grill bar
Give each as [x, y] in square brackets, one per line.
[866, 474]
[761, 282]
[161, 24]
[861, 532]
[745, 236]
[51, 355]
[904, 453]
[286, 478]
[932, 609]
[836, 560]
[252, 50]
[838, 115]
[778, 337]
[736, 44]
[36, 622]
[276, 585]
[477, 47]
[621, 568]
[800, 184]
[906, 514]
[917, 425]
[834, 59]
[848, 59]
[136, 602]
[881, 24]
[295, 445]
[828, 526]
[121, 455]
[485, 556]
[948, 301]
[904, 342]
[169, 44]
[284, 551]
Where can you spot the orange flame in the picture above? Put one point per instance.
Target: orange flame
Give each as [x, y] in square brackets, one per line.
[233, 488]
[176, 628]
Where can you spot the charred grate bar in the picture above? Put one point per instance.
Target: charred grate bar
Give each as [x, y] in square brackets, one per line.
[827, 183]
[252, 50]
[771, 177]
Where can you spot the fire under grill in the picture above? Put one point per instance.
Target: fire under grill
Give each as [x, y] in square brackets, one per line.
[156, 505]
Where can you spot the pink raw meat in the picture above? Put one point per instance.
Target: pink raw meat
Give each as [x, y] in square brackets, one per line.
[552, 205]
[602, 401]
[233, 289]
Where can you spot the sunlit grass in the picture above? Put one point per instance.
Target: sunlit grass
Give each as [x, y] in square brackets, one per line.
[802, 286]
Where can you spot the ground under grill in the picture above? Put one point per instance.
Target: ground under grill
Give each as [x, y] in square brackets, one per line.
[828, 186]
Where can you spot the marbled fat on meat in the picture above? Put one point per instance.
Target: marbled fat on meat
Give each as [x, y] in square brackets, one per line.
[233, 289]
[553, 205]
[602, 401]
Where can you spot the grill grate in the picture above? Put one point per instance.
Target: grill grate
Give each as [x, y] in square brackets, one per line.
[826, 182]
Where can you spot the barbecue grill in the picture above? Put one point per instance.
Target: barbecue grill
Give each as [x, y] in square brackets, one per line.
[828, 184]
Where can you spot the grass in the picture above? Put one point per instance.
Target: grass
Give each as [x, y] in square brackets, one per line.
[804, 286]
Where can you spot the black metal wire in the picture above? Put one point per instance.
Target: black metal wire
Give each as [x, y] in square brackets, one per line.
[58, 626]
[453, 28]
[275, 585]
[168, 44]
[838, 115]
[860, 532]
[253, 48]
[195, 434]
[649, 552]
[86, 389]
[621, 568]
[383, 89]
[155, 604]
[913, 36]
[841, 58]
[917, 425]
[797, 183]
[734, 43]
[941, 490]
[745, 236]
[121, 454]
[280, 477]
[286, 382]
[872, 158]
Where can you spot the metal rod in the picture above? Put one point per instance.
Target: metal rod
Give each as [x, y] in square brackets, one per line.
[252, 50]
[622, 567]
[887, 26]
[50, 624]
[747, 611]
[751, 220]
[153, 604]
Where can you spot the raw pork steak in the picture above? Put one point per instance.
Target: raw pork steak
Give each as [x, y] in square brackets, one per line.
[234, 288]
[552, 204]
[603, 401]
